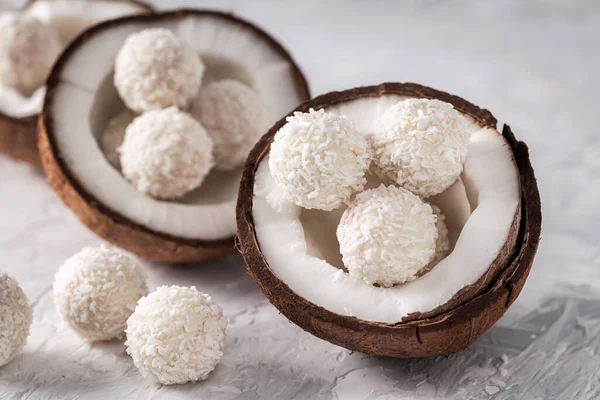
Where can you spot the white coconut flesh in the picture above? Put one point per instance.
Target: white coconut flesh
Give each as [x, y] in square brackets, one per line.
[69, 18]
[301, 248]
[85, 100]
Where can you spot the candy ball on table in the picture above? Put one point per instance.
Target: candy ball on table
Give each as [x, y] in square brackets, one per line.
[176, 335]
[96, 290]
[15, 318]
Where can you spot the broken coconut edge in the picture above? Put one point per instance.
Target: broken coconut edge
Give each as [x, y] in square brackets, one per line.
[447, 329]
[107, 224]
[18, 136]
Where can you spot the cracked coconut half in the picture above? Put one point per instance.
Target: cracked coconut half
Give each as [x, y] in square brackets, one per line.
[31, 39]
[392, 282]
[138, 152]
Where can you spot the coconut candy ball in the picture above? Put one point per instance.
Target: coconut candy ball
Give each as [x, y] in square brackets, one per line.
[232, 114]
[96, 290]
[421, 145]
[442, 244]
[387, 235]
[176, 335]
[166, 153]
[319, 159]
[156, 69]
[28, 48]
[113, 136]
[15, 318]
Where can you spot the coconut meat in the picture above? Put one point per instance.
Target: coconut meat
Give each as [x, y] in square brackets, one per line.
[69, 18]
[301, 249]
[85, 99]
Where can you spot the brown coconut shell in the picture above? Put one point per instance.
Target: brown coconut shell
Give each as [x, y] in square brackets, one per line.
[100, 219]
[447, 329]
[18, 137]
[18, 140]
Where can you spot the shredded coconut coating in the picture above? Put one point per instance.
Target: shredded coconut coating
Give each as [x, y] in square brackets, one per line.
[166, 153]
[15, 318]
[176, 335]
[421, 145]
[28, 48]
[156, 69]
[232, 114]
[442, 245]
[113, 136]
[319, 159]
[387, 235]
[96, 290]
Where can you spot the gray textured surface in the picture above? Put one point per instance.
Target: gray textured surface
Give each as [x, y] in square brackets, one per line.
[534, 64]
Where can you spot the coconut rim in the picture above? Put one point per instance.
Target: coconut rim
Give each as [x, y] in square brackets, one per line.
[527, 236]
[45, 130]
[140, 3]
[30, 122]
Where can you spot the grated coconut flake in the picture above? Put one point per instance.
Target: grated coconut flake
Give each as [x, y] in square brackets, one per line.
[319, 159]
[232, 114]
[15, 318]
[166, 153]
[96, 290]
[387, 235]
[421, 145]
[176, 335]
[156, 69]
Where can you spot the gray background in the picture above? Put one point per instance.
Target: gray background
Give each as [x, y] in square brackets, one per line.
[534, 64]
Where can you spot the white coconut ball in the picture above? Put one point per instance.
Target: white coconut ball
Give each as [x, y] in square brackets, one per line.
[387, 235]
[232, 114]
[156, 69]
[176, 335]
[28, 48]
[442, 244]
[15, 318]
[113, 135]
[421, 145]
[166, 153]
[96, 290]
[319, 159]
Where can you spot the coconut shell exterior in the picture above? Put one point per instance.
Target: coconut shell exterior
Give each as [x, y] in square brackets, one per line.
[447, 329]
[18, 136]
[100, 219]
[18, 140]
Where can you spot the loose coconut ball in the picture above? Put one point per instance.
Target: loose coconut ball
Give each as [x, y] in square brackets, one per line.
[113, 135]
[232, 114]
[421, 145]
[166, 153]
[176, 335]
[96, 290]
[387, 235]
[28, 49]
[156, 69]
[319, 159]
[15, 318]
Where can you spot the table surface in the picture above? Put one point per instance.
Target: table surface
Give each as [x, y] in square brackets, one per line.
[534, 66]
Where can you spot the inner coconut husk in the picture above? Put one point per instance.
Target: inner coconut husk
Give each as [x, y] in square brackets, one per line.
[141, 238]
[446, 329]
[18, 135]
